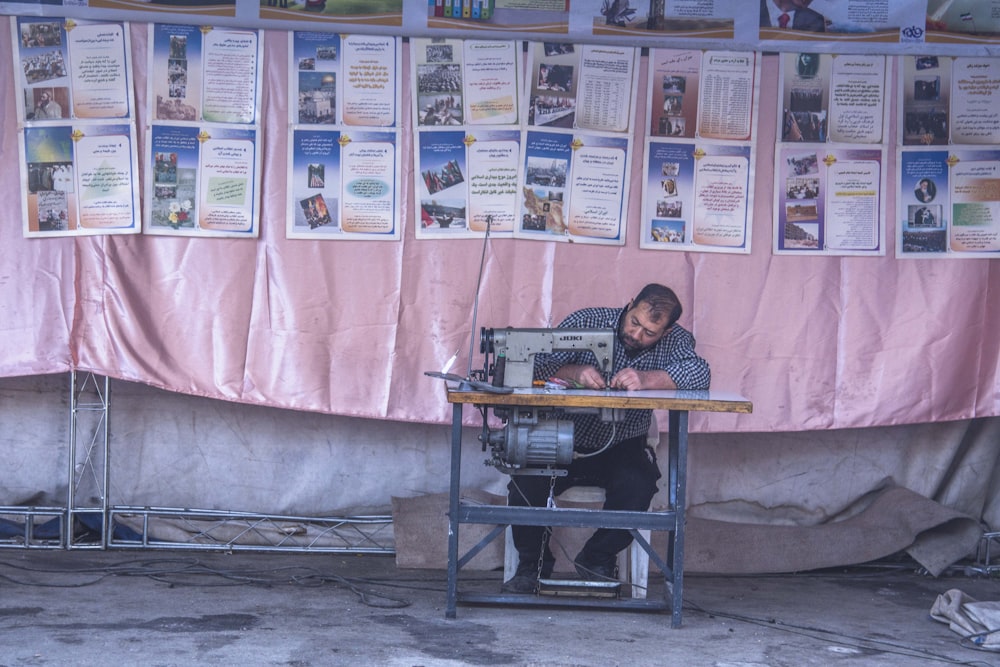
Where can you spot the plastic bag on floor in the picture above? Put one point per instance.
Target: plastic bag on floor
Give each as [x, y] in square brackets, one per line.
[977, 622]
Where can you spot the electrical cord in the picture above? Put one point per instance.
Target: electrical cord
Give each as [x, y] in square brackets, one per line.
[839, 638]
[192, 572]
[611, 440]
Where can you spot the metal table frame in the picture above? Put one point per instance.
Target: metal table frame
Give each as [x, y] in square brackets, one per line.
[677, 404]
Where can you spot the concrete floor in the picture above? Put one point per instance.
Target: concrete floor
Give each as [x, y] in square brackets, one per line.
[204, 608]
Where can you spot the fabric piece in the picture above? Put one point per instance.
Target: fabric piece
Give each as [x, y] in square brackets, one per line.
[896, 520]
[977, 622]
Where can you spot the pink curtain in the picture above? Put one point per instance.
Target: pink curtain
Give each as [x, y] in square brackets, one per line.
[350, 327]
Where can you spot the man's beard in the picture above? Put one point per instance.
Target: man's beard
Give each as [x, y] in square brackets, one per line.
[631, 345]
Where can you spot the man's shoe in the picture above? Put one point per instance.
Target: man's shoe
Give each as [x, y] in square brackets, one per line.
[596, 569]
[520, 583]
[525, 579]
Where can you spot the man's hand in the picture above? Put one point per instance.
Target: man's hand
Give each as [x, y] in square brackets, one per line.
[591, 378]
[586, 376]
[631, 379]
[627, 378]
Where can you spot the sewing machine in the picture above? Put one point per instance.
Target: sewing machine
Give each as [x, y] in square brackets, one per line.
[514, 350]
[535, 440]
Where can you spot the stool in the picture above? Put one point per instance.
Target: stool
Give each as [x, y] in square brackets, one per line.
[633, 562]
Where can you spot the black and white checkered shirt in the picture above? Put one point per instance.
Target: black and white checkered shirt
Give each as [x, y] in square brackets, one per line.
[674, 353]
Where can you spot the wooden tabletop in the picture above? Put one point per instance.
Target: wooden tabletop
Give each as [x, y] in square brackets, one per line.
[676, 399]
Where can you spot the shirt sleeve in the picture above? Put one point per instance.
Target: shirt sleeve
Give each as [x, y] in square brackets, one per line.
[547, 364]
[683, 365]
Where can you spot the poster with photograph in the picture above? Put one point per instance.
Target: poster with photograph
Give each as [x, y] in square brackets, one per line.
[467, 182]
[573, 86]
[675, 19]
[202, 181]
[204, 74]
[71, 69]
[79, 180]
[574, 188]
[950, 22]
[828, 200]
[698, 197]
[833, 98]
[206, 8]
[706, 94]
[877, 23]
[343, 185]
[351, 80]
[388, 13]
[924, 100]
[516, 16]
[699, 154]
[465, 82]
[949, 100]
[948, 203]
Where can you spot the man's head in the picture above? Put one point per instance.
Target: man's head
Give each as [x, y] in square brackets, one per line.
[648, 317]
[44, 98]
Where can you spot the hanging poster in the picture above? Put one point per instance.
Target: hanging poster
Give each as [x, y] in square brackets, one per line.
[341, 12]
[349, 80]
[466, 182]
[698, 197]
[581, 103]
[71, 69]
[828, 200]
[574, 86]
[467, 134]
[344, 103]
[207, 8]
[950, 22]
[200, 74]
[520, 16]
[79, 179]
[202, 148]
[836, 98]
[949, 203]
[77, 138]
[202, 181]
[574, 188]
[830, 158]
[465, 82]
[699, 154]
[676, 19]
[949, 100]
[343, 185]
[877, 23]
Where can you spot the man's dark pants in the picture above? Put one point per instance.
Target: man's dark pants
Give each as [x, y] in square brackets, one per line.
[626, 471]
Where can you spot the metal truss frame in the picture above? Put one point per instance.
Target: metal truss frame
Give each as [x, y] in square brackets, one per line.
[988, 555]
[90, 521]
[89, 467]
[244, 531]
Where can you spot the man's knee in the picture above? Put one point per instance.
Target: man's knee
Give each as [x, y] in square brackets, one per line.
[527, 490]
[633, 485]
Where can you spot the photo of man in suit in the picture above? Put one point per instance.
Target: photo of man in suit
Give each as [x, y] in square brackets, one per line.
[792, 15]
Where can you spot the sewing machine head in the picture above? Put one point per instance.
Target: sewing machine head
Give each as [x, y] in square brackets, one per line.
[514, 350]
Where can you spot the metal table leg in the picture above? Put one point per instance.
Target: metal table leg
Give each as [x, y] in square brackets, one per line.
[453, 500]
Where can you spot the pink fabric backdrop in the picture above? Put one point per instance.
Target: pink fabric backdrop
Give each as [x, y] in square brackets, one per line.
[349, 327]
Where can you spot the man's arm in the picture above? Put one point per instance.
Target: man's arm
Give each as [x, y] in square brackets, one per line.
[683, 369]
[693, 372]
